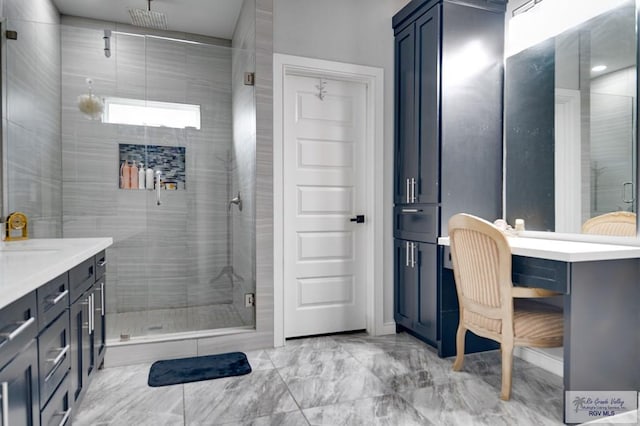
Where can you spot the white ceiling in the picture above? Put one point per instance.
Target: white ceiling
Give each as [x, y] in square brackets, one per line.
[215, 18]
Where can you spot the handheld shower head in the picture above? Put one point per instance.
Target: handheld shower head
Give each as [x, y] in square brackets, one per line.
[107, 43]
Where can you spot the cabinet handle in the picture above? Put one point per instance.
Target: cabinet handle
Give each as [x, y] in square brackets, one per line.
[102, 298]
[59, 297]
[56, 362]
[411, 210]
[406, 252]
[102, 263]
[407, 192]
[91, 310]
[5, 403]
[413, 255]
[65, 416]
[87, 302]
[22, 326]
[413, 190]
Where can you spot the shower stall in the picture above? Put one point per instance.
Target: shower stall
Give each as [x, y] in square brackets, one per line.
[183, 259]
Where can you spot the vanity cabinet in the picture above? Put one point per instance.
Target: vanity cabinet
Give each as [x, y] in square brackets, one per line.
[19, 363]
[88, 326]
[448, 139]
[415, 304]
[51, 341]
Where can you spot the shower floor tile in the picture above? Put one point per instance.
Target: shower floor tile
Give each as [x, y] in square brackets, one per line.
[175, 320]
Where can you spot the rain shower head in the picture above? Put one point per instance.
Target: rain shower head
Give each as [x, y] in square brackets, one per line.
[148, 18]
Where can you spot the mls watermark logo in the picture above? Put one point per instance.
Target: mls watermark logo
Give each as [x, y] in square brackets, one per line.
[583, 406]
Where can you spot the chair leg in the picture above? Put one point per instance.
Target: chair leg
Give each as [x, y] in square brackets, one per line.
[507, 367]
[457, 365]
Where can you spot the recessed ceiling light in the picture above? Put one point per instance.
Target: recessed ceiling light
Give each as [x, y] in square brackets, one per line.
[599, 68]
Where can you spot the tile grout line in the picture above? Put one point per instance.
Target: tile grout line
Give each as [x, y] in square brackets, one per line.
[288, 390]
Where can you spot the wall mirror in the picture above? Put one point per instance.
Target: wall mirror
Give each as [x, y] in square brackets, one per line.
[571, 117]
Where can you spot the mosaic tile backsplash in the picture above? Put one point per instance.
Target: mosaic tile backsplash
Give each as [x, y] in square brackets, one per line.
[170, 160]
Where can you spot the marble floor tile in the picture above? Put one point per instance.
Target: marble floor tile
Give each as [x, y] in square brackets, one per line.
[409, 369]
[258, 394]
[330, 382]
[388, 410]
[362, 342]
[292, 418]
[305, 354]
[120, 396]
[473, 402]
[259, 360]
[334, 380]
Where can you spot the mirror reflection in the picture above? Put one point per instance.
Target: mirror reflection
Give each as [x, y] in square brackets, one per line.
[570, 138]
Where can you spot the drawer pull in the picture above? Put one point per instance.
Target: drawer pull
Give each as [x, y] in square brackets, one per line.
[411, 210]
[56, 362]
[22, 326]
[102, 263]
[65, 416]
[59, 297]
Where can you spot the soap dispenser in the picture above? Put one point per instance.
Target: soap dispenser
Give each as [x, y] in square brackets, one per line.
[141, 177]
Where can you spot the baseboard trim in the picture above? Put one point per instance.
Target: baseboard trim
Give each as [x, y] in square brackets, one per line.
[388, 328]
[542, 358]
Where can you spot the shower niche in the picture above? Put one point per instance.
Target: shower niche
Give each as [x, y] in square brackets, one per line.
[139, 165]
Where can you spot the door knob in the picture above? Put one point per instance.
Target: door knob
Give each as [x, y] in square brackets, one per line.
[358, 219]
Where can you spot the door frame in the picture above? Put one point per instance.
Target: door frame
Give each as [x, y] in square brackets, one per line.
[372, 78]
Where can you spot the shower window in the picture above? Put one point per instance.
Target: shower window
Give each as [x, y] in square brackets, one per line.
[141, 112]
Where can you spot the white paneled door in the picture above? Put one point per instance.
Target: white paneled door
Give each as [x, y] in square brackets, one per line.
[324, 191]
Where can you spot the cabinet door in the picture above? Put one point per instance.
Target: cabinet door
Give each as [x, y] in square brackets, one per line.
[426, 320]
[427, 54]
[80, 344]
[406, 149]
[405, 283]
[19, 385]
[99, 325]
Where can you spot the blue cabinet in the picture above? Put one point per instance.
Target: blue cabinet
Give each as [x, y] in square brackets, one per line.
[448, 140]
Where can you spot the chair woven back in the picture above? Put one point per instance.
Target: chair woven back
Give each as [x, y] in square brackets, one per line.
[481, 259]
[621, 224]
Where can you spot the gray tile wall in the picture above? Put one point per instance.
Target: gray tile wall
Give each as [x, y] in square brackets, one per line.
[165, 256]
[32, 158]
[244, 156]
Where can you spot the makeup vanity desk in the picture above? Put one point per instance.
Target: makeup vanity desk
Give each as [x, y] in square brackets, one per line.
[601, 287]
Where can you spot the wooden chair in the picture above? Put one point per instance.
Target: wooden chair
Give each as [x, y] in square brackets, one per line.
[615, 223]
[481, 259]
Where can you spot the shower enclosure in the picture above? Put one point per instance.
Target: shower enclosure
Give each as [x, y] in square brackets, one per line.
[183, 259]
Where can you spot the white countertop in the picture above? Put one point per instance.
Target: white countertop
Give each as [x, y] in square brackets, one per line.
[26, 265]
[564, 250]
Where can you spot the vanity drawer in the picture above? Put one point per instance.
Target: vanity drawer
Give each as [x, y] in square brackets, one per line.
[543, 273]
[18, 326]
[58, 411]
[101, 264]
[54, 357]
[53, 299]
[81, 278]
[416, 222]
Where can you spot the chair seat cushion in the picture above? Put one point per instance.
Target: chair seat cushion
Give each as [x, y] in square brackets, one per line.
[534, 321]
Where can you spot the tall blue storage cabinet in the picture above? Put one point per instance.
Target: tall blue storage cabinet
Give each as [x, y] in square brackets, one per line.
[448, 145]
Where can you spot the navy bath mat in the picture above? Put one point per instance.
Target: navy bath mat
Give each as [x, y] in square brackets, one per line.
[185, 370]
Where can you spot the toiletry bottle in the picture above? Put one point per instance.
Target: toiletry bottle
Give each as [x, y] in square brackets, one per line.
[126, 176]
[149, 178]
[134, 175]
[141, 177]
[122, 166]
